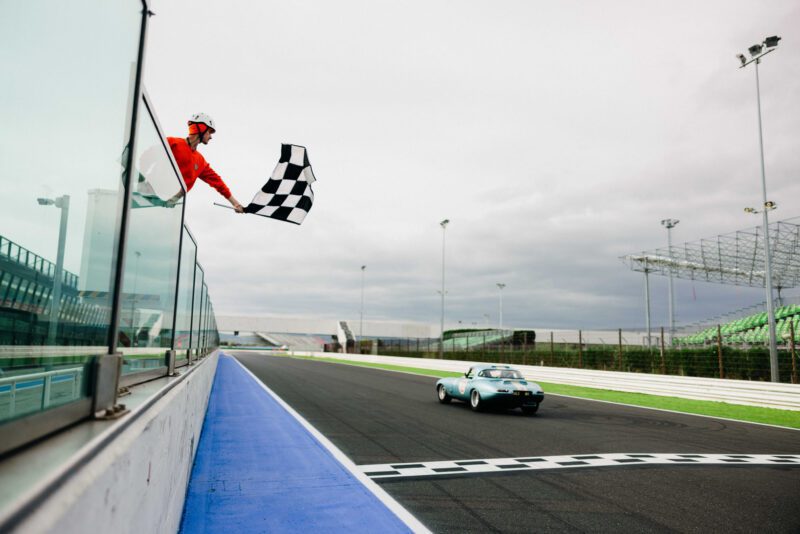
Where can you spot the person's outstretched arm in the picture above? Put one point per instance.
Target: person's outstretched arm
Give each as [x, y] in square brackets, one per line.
[209, 176]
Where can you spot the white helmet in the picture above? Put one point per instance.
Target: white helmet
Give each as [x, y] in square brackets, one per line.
[202, 118]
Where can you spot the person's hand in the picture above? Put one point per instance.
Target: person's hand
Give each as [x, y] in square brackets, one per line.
[174, 199]
[235, 203]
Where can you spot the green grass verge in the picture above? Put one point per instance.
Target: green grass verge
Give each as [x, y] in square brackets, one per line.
[753, 414]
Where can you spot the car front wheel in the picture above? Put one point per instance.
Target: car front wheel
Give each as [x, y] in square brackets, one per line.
[444, 398]
[475, 401]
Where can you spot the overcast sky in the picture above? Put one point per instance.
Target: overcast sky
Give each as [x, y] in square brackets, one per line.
[554, 136]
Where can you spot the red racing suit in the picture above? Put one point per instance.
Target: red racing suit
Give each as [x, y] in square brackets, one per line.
[193, 166]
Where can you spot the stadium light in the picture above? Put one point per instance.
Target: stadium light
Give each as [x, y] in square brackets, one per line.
[443, 224]
[500, 287]
[61, 203]
[669, 224]
[757, 52]
[361, 322]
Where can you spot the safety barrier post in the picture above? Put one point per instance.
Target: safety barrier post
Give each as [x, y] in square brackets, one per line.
[171, 358]
[552, 349]
[791, 352]
[663, 362]
[580, 349]
[719, 351]
[619, 363]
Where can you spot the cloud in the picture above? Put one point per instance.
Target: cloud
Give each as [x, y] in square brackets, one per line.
[554, 136]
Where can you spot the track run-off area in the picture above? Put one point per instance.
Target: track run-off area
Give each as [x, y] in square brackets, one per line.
[576, 466]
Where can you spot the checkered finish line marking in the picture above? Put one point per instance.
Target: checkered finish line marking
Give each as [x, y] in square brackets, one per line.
[538, 463]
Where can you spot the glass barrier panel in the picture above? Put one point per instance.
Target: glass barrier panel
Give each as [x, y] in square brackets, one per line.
[196, 311]
[183, 322]
[204, 321]
[65, 102]
[151, 253]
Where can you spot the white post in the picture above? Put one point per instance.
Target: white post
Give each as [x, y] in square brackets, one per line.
[670, 224]
[500, 287]
[361, 321]
[773, 345]
[443, 224]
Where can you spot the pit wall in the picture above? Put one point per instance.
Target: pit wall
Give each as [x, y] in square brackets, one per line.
[137, 482]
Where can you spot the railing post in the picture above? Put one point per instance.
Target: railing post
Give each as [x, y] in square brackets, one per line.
[552, 349]
[619, 361]
[719, 351]
[12, 400]
[171, 357]
[580, 349]
[663, 361]
[108, 369]
[46, 391]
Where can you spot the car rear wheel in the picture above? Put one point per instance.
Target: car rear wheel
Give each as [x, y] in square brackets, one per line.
[475, 401]
[444, 398]
[530, 410]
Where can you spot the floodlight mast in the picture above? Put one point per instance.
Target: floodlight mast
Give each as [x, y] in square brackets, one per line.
[500, 286]
[757, 52]
[669, 224]
[443, 224]
[647, 301]
[361, 321]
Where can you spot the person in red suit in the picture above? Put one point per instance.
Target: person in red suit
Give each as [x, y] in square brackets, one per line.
[193, 165]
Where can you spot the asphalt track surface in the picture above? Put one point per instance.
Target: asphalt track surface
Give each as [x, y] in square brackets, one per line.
[380, 417]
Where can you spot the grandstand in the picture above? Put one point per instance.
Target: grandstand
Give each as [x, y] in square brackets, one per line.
[752, 329]
[300, 342]
[476, 339]
[26, 299]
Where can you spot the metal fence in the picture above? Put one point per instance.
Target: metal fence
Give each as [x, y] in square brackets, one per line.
[715, 360]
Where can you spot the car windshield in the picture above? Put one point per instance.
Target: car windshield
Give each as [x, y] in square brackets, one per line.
[501, 373]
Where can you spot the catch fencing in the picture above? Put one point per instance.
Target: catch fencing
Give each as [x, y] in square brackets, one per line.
[716, 360]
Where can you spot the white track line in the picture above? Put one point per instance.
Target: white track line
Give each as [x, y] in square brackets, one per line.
[400, 470]
[405, 516]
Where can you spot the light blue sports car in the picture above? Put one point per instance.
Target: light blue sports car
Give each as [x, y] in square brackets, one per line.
[488, 385]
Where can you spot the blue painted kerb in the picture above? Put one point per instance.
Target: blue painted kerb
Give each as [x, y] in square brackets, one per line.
[257, 469]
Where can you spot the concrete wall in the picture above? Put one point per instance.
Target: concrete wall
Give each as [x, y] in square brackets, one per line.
[138, 482]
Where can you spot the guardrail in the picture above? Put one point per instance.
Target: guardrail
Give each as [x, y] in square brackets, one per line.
[765, 394]
[34, 392]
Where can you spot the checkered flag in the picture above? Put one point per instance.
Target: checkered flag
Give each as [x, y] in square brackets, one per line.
[287, 195]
